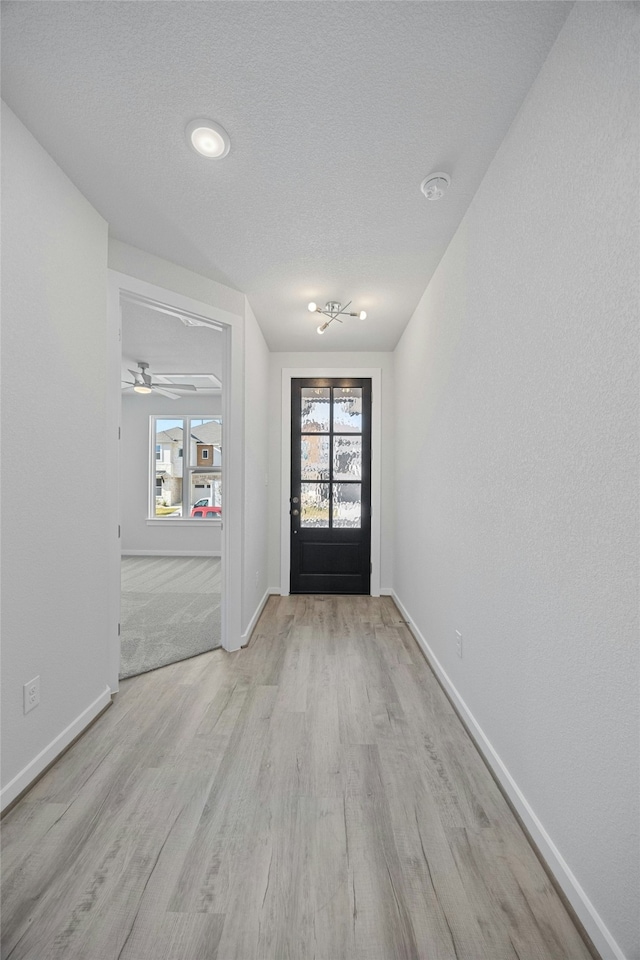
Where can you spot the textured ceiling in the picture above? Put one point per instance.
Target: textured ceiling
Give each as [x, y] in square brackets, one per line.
[336, 112]
[167, 345]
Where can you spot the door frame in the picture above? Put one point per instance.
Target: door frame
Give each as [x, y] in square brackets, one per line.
[375, 375]
[121, 287]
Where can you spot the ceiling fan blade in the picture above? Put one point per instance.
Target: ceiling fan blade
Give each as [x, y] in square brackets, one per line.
[129, 383]
[166, 393]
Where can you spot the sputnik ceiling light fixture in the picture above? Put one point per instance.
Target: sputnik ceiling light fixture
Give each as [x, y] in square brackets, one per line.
[334, 311]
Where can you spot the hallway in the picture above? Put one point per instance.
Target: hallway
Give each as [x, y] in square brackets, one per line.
[312, 796]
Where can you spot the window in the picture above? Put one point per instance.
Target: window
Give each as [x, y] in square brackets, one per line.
[186, 470]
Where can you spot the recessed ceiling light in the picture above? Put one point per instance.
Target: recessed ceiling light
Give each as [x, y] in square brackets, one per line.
[208, 139]
[435, 185]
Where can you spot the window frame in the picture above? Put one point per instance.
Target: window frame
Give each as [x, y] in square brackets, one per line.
[189, 470]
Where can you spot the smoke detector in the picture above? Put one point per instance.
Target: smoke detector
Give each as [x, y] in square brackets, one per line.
[434, 185]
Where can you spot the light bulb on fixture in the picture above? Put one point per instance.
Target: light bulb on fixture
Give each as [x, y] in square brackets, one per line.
[312, 308]
[363, 315]
[323, 326]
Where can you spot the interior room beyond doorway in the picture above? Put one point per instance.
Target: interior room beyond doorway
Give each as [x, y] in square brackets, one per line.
[171, 494]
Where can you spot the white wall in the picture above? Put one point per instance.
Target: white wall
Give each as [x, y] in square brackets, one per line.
[338, 360]
[139, 535]
[54, 261]
[256, 507]
[517, 466]
[146, 266]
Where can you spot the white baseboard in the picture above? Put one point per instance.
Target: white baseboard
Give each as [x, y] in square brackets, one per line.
[51, 752]
[171, 553]
[387, 592]
[584, 909]
[246, 636]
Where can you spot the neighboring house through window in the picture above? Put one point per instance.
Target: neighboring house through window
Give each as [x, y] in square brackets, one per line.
[177, 484]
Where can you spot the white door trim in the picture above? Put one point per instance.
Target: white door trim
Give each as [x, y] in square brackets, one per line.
[375, 375]
[121, 286]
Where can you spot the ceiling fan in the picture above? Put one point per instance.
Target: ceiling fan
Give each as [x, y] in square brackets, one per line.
[143, 383]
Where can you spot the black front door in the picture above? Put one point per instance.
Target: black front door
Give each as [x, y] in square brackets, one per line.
[330, 486]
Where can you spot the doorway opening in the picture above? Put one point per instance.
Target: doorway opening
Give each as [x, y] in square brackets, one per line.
[171, 490]
[176, 472]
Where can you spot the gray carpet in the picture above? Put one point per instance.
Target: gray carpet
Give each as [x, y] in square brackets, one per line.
[170, 610]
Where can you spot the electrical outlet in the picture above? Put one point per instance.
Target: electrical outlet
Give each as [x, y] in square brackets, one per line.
[459, 643]
[31, 692]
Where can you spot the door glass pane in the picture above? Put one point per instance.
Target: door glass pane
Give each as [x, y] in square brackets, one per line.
[314, 458]
[314, 505]
[347, 409]
[168, 465]
[347, 458]
[347, 504]
[316, 406]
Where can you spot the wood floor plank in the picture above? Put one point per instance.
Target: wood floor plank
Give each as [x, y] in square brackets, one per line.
[229, 807]
[333, 905]
[312, 797]
[326, 755]
[181, 936]
[30, 822]
[383, 923]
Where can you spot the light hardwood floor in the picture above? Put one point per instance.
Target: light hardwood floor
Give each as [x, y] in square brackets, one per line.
[313, 797]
